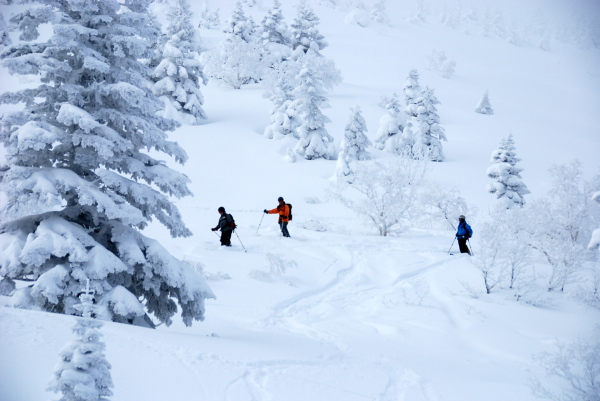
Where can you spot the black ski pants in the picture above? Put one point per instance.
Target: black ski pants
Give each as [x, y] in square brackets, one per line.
[462, 245]
[226, 237]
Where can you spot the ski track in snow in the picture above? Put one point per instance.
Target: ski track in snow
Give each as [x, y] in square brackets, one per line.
[300, 314]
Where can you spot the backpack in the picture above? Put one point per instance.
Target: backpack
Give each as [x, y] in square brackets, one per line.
[290, 214]
[231, 221]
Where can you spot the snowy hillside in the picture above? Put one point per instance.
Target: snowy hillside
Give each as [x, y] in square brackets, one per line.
[338, 312]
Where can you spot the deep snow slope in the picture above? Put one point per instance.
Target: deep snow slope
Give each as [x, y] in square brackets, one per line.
[336, 312]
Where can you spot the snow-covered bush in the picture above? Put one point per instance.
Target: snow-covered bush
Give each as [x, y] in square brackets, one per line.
[178, 74]
[384, 193]
[80, 183]
[353, 146]
[359, 16]
[507, 186]
[484, 106]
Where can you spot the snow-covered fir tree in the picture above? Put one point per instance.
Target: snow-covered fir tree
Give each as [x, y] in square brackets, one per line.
[428, 130]
[79, 184]
[209, 19]
[412, 92]
[314, 141]
[284, 118]
[238, 61]
[273, 28]
[353, 146]
[507, 184]
[82, 372]
[484, 106]
[178, 75]
[391, 126]
[305, 31]
[4, 38]
[275, 38]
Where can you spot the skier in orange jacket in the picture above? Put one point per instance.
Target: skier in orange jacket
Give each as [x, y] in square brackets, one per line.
[284, 215]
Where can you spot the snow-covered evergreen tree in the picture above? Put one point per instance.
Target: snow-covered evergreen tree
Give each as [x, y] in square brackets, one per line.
[379, 12]
[484, 106]
[83, 373]
[284, 118]
[353, 146]
[238, 61]
[209, 19]
[503, 170]
[178, 74]
[305, 31]
[79, 183]
[275, 38]
[314, 141]
[429, 132]
[273, 28]
[412, 92]
[4, 38]
[391, 126]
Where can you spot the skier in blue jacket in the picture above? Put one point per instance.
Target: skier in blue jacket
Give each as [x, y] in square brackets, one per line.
[463, 233]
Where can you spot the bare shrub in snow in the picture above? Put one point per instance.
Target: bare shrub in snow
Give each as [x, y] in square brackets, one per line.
[489, 257]
[278, 267]
[572, 370]
[561, 224]
[384, 193]
[443, 206]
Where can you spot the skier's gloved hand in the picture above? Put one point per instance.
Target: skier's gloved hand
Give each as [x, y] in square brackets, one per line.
[265, 211]
[213, 229]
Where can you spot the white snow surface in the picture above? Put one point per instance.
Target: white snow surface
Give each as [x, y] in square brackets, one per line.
[337, 312]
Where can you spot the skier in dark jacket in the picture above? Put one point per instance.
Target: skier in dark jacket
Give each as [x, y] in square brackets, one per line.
[463, 233]
[226, 225]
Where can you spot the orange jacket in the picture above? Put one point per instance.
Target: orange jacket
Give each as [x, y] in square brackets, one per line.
[284, 212]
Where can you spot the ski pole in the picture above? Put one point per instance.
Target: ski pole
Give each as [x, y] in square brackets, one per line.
[469, 241]
[261, 219]
[236, 234]
[452, 244]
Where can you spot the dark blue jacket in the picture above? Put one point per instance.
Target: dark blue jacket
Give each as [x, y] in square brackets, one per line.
[464, 230]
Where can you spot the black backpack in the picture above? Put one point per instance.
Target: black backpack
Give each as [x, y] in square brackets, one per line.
[290, 215]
